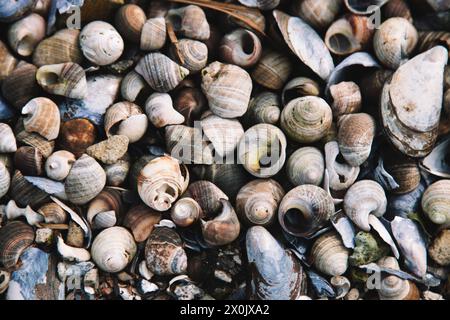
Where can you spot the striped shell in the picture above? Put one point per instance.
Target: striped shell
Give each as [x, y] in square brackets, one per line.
[5, 180]
[160, 111]
[329, 254]
[264, 108]
[153, 35]
[29, 161]
[207, 195]
[129, 21]
[25, 34]
[42, 116]
[436, 202]
[192, 53]
[126, 119]
[7, 139]
[185, 212]
[306, 166]
[66, 79]
[15, 237]
[140, 220]
[272, 70]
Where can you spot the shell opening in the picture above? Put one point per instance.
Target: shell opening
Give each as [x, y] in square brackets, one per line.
[49, 78]
[340, 43]
[248, 44]
[297, 220]
[25, 46]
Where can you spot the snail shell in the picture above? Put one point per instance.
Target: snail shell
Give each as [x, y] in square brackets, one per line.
[264, 108]
[193, 54]
[113, 249]
[273, 70]
[161, 181]
[341, 284]
[117, 173]
[397, 8]
[53, 213]
[329, 254]
[126, 119]
[153, 35]
[106, 209]
[306, 166]
[42, 7]
[405, 172]
[364, 7]
[207, 195]
[164, 252]
[261, 4]
[141, 220]
[160, 72]
[42, 116]
[129, 21]
[241, 47]
[7, 61]
[190, 22]
[5, 180]
[85, 181]
[304, 210]
[160, 111]
[7, 140]
[29, 161]
[58, 165]
[355, 135]
[299, 87]
[24, 192]
[66, 79]
[5, 277]
[132, 86]
[306, 119]
[262, 150]
[21, 85]
[363, 198]
[70, 253]
[25, 34]
[227, 88]
[109, 151]
[190, 102]
[185, 212]
[101, 43]
[258, 200]
[62, 47]
[346, 98]
[430, 39]
[318, 14]
[15, 237]
[76, 136]
[394, 41]
[436, 202]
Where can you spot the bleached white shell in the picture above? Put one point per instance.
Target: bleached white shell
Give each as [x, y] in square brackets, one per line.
[7, 139]
[160, 111]
[58, 165]
[5, 179]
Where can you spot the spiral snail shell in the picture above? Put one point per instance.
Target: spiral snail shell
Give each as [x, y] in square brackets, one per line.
[329, 254]
[67, 79]
[25, 34]
[42, 116]
[241, 47]
[306, 166]
[435, 202]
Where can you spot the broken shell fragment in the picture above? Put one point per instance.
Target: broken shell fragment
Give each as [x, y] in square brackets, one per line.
[109, 151]
[160, 111]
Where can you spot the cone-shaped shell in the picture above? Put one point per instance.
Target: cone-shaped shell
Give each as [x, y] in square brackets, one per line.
[58, 165]
[241, 47]
[224, 228]
[264, 108]
[127, 119]
[129, 21]
[153, 35]
[190, 22]
[7, 140]
[207, 195]
[436, 202]
[160, 111]
[329, 254]
[140, 220]
[25, 34]
[273, 70]
[42, 116]
[66, 79]
[192, 53]
[306, 166]
[405, 172]
[15, 237]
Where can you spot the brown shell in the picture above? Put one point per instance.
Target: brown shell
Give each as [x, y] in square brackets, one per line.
[329, 254]
[346, 98]
[25, 193]
[15, 237]
[430, 39]
[53, 213]
[109, 200]
[29, 161]
[35, 140]
[129, 21]
[397, 8]
[191, 103]
[7, 61]
[126, 118]
[141, 220]
[273, 70]
[207, 195]
[319, 14]
[224, 228]
[77, 135]
[405, 172]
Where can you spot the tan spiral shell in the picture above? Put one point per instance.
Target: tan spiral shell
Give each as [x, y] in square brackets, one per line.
[132, 86]
[241, 47]
[160, 111]
[42, 116]
[306, 166]
[207, 195]
[26, 33]
[106, 209]
[319, 14]
[190, 22]
[346, 98]
[5, 180]
[397, 8]
[58, 165]
[7, 61]
[7, 139]
[264, 108]
[153, 35]
[35, 140]
[126, 119]
[329, 254]
[117, 173]
[140, 220]
[29, 161]
[193, 54]
[185, 212]
[436, 202]
[129, 21]
[341, 175]
[272, 70]
[299, 87]
[15, 237]
[53, 213]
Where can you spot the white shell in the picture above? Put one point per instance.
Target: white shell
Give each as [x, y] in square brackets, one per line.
[7, 139]
[25, 34]
[72, 254]
[58, 165]
[5, 179]
[160, 111]
[12, 212]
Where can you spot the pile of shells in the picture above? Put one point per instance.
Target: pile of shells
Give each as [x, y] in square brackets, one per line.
[246, 149]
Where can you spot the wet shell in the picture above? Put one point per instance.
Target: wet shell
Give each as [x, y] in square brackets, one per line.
[101, 43]
[227, 88]
[153, 35]
[394, 42]
[207, 195]
[160, 72]
[129, 21]
[192, 53]
[363, 198]
[140, 220]
[127, 119]
[346, 98]
[53, 213]
[355, 135]
[190, 102]
[264, 108]
[164, 253]
[160, 111]
[7, 140]
[132, 86]
[13, 10]
[76, 136]
[5, 180]
[86, 180]
[161, 181]
[117, 173]
[113, 249]
[42, 117]
[29, 161]
[318, 14]
[436, 202]
[58, 165]
[62, 47]
[106, 209]
[299, 87]
[190, 22]
[329, 254]
[7, 61]
[364, 7]
[304, 210]
[241, 47]
[306, 119]
[66, 79]
[257, 202]
[109, 151]
[306, 166]
[25, 34]
[15, 237]
[185, 212]
[272, 70]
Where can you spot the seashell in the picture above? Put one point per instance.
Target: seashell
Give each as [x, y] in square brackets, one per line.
[100, 43]
[75, 235]
[404, 204]
[207, 195]
[313, 51]
[404, 171]
[438, 249]
[227, 88]
[129, 21]
[397, 8]
[106, 209]
[7, 61]
[141, 220]
[35, 140]
[346, 98]
[383, 232]
[160, 72]
[436, 162]
[224, 134]
[12, 212]
[306, 119]
[262, 150]
[355, 135]
[117, 173]
[29, 161]
[5, 180]
[66, 79]
[42, 7]
[349, 34]
[363, 198]
[272, 70]
[368, 248]
[222, 229]
[53, 213]
[185, 212]
[164, 252]
[364, 7]
[304, 210]
[306, 166]
[275, 272]
[85, 181]
[435, 202]
[393, 287]
[109, 151]
[190, 102]
[13, 10]
[25, 34]
[394, 42]
[299, 87]
[411, 244]
[160, 111]
[318, 14]
[240, 47]
[58, 165]
[24, 192]
[153, 35]
[113, 249]
[42, 117]
[76, 136]
[431, 39]
[15, 237]
[72, 254]
[258, 200]
[190, 22]
[342, 286]
[48, 186]
[261, 4]
[5, 277]
[372, 84]
[7, 140]
[192, 53]
[132, 86]
[264, 108]
[61, 47]
[329, 254]
[127, 119]
[161, 181]
[413, 128]
[21, 85]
